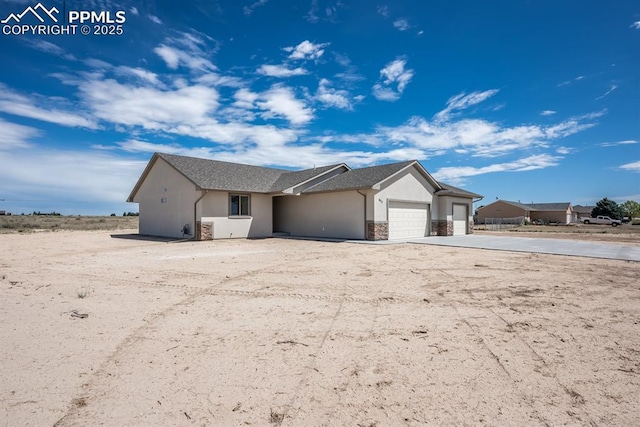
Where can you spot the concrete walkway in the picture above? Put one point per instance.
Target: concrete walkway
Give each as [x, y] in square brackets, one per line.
[537, 245]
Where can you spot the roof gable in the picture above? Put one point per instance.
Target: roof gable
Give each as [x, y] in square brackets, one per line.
[208, 174]
[216, 175]
[368, 177]
[295, 178]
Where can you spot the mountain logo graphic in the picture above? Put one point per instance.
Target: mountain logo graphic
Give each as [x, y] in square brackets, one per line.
[34, 11]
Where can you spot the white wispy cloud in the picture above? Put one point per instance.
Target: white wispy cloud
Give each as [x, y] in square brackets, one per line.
[350, 73]
[616, 143]
[393, 80]
[42, 108]
[134, 10]
[457, 174]
[331, 97]
[611, 89]
[142, 74]
[154, 19]
[149, 107]
[631, 167]
[280, 71]
[383, 10]
[480, 138]
[568, 82]
[330, 10]
[548, 113]
[463, 101]
[77, 174]
[248, 10]
[48, 47]
[280, 101]
[401, 24]
[636, 25]
[14, 135]
[187, 49]
[306, 50]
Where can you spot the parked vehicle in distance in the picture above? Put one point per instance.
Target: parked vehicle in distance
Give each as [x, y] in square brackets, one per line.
[600, 219]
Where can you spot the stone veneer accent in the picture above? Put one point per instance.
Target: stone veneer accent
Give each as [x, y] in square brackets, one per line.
[377, 230]
[205, 231]
[442, 228]
[471, 225]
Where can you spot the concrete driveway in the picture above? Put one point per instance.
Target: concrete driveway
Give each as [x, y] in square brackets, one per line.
[543, 246]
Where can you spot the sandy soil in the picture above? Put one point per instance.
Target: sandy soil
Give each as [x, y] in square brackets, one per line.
[292, 333]
[628, 235]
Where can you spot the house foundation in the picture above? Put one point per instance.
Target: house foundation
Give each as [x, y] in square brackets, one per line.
[204, 231]
[442, 228]
[377, 230]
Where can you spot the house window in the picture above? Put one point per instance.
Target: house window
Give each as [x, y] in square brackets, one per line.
[239, 205]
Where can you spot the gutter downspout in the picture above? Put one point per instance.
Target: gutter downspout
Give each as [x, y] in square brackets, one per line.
[472, 202]
[365, 213]
[195, 214]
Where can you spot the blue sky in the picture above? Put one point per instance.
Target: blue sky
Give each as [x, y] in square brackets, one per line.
[536, 101]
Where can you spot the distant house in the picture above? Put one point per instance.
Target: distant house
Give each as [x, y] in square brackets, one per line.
[206, 199]
[2, 213]
[561, 213]
[582, 211]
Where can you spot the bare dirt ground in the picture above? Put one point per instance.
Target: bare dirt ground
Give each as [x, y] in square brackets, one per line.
[292, 332]
[625, 234]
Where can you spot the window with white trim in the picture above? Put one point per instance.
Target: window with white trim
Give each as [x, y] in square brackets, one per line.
[239, 204]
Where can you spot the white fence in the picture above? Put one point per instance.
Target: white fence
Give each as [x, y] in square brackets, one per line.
[503, 223]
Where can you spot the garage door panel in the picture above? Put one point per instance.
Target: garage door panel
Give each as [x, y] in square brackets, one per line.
[407, 220]
[460, 218]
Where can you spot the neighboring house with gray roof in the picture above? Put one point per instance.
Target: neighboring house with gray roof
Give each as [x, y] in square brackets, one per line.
[582, 211]
[561, 213]
[205, 199]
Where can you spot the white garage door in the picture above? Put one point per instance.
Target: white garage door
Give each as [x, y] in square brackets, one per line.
[460, 218]
[408, 220]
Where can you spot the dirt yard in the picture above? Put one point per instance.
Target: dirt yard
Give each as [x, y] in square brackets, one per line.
[304, 333]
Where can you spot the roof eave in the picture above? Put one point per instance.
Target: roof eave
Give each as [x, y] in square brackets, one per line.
[148, 168]
[436, 185]
[146, 171]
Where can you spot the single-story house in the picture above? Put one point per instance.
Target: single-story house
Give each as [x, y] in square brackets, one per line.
[582, 211]
[561, 213]
[205, 199]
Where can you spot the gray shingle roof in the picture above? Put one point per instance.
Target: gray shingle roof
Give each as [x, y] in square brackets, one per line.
[359, 178]
[291, 179]
[450, 189]
[563, 206]
[225, 176]
[216, 175]
[583, 209]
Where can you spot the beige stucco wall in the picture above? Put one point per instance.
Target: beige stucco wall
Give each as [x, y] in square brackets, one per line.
[214, 208]
[334, 214]
[499, 209]
[165, 219]
[410, 186]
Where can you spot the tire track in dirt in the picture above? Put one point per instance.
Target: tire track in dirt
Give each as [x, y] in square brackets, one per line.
[77, 404]
[531, 383]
